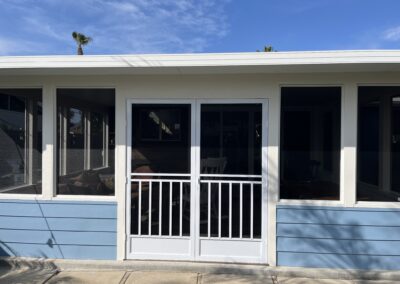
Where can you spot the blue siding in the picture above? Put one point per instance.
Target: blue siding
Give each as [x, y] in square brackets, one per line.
[54, 229]
[334, 237]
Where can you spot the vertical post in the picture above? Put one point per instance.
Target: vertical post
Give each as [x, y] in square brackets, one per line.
[105, 140]
[87, 138]
[170, 208]
[180, 207]
[209, 209]
[348, 164]
[271, 111]
[251, 209]
[122, 165]
[150, 204]
[160, 195]
[241, 211]
[49, 141]
[29, 136]
[230, 209]
[140, 209]
[219, 209]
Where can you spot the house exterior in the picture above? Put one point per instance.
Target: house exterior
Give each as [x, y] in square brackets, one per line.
[283, 158]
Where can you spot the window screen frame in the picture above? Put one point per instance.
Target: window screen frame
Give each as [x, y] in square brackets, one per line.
[313, 202]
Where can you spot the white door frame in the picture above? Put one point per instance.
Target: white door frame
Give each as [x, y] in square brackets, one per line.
[193, 181]
[195, 114]
[264, 186]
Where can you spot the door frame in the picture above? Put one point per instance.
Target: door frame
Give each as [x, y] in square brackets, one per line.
[193, 181]
[264, 172]
[195, 132]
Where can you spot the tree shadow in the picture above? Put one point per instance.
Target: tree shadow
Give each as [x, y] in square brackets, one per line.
[327, 237]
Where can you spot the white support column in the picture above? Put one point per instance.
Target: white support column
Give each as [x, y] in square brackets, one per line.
[49, 142]
[348, 157]
[272, 168]
[120, 169]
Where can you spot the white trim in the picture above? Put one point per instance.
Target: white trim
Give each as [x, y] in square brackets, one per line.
[49, 136]
[155, 61]
[85, 197]
[298, 202]
[264, 144]
[194, 178]
[349, 136]
[159, 174]
[371, 204]
[377, 204]
[341, 200]
[21, 196]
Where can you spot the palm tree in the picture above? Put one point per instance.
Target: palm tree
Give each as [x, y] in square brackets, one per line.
[268, 48]
[81, 40]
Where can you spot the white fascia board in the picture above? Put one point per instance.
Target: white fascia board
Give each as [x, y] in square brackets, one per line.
[178, 63]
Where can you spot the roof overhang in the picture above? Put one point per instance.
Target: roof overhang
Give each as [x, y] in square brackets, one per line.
[205, 63]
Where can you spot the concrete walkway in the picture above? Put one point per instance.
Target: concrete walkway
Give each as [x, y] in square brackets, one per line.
[41, 271]
[122, 277]
[52, 276]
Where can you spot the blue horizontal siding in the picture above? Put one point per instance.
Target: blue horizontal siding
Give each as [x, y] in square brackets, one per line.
[339, 261]
[58, 224]
[339, 217]
[388, 248]
[58, 251]
[336, 237]
[353, 232]
[70, 229]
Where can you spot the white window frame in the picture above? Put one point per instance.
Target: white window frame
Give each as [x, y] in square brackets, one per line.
[28, 150]
[372, 204]
[311, 202]
[52, 104]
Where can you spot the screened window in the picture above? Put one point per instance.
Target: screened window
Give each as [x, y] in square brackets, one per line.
[378, 144]
[86, 141]
[310, 143]
[21, 141]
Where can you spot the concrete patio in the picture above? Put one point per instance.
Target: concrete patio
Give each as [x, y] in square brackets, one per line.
[18, 270]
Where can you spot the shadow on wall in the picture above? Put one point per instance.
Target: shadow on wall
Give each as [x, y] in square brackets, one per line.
[338, 238]
[29, 237]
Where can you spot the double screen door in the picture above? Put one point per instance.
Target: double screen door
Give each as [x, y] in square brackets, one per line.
[197, 180]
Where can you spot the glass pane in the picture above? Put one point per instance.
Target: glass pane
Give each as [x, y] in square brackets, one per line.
[161, 138]
[20, 141]
[310, 143]
[231, 139]
[75, 141]
[85, 141]
[97, 145]
[378, 144]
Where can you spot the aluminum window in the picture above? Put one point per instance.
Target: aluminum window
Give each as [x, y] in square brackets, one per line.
[85, 141]
[21, 141]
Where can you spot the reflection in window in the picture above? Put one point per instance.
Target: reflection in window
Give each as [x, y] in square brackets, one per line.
[310, 143]
[378, 144]
[20, 141]
[161, 138]
[231, 139]
[86, 141]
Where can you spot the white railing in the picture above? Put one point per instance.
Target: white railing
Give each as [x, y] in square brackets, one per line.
[210, 180]
[164, 183]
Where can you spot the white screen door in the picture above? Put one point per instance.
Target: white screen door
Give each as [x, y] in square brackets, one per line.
[197, 187]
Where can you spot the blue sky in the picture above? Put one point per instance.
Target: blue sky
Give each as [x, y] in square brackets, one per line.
[36, 27]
